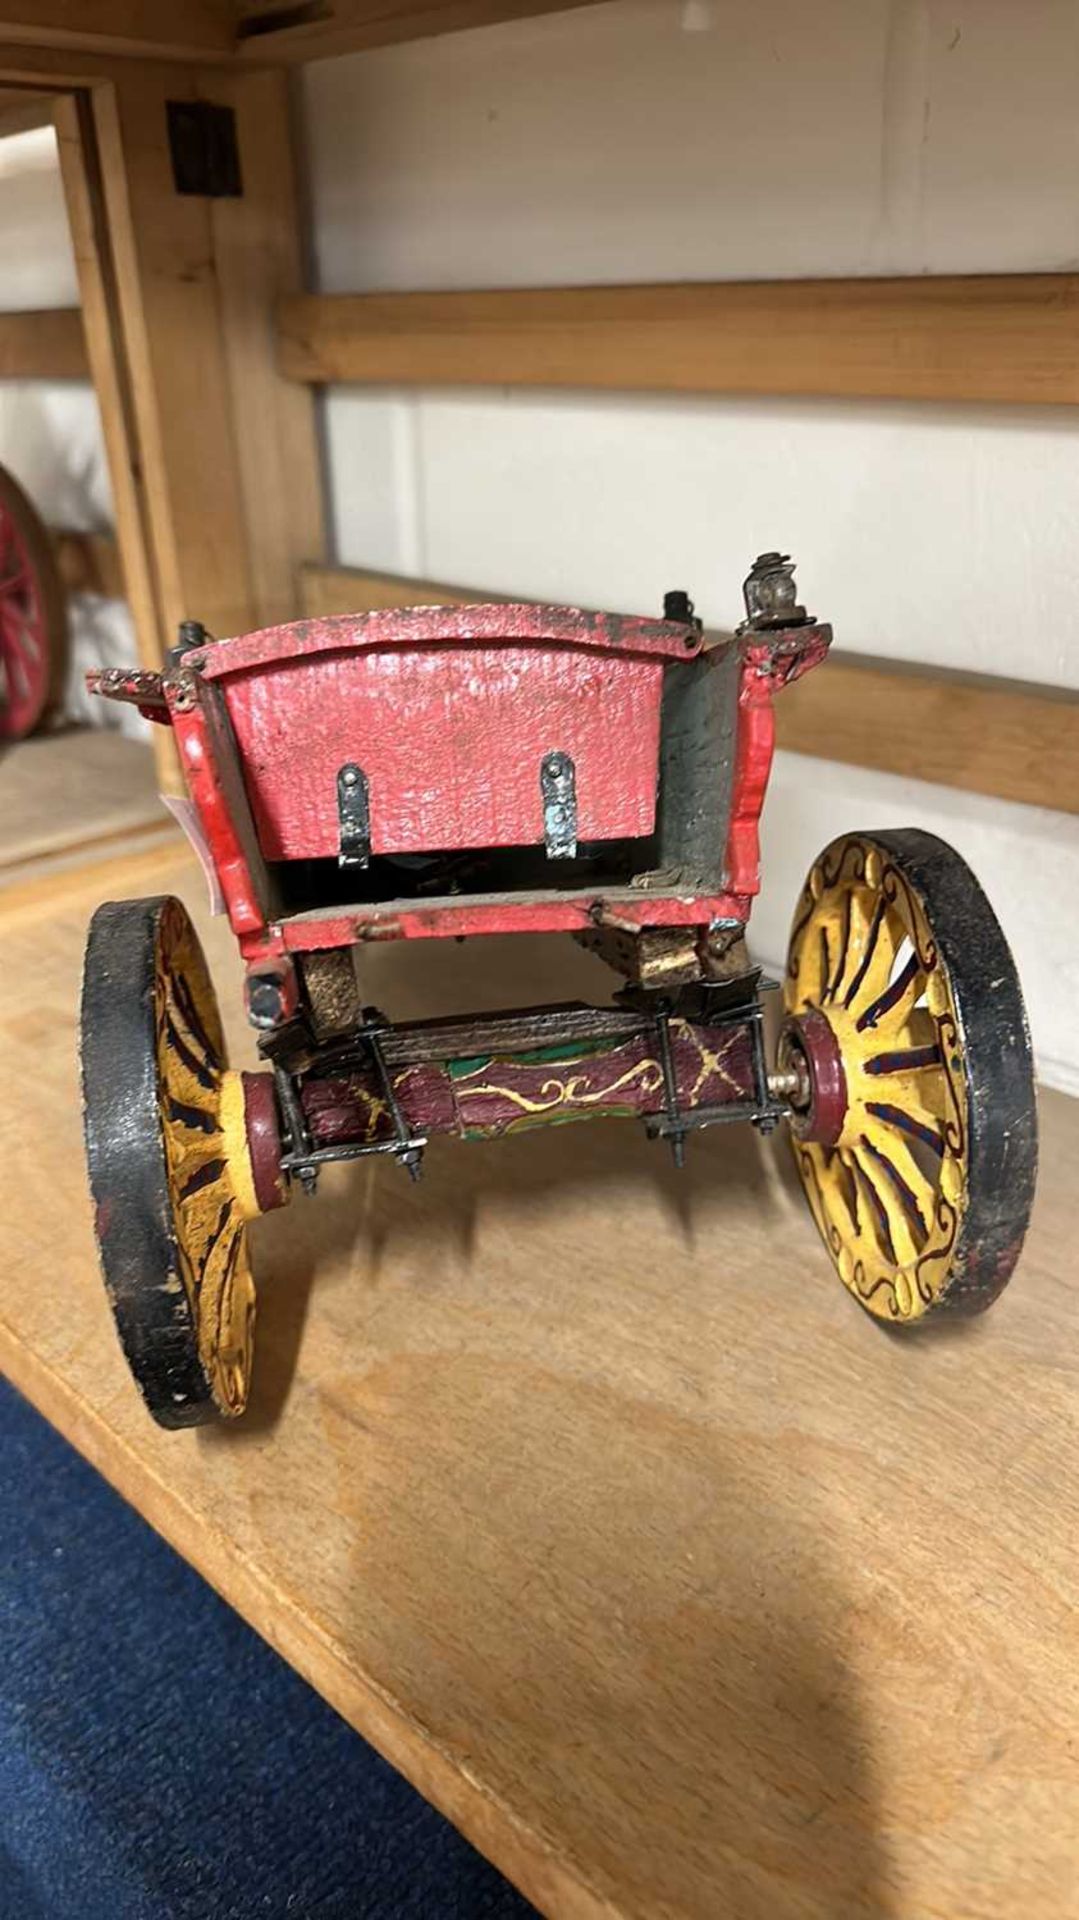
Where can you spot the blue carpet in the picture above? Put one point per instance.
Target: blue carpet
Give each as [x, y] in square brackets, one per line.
[158, 1761]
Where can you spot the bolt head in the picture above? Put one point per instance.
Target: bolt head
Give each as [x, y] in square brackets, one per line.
[264, 1001]
[677, 604]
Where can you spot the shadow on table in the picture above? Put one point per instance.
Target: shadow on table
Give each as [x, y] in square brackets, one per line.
[360, 1211]
[598, 1580]
[619, 1613]
[616, 1609]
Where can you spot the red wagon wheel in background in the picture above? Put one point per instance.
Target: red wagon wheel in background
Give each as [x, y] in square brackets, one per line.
[33, 616]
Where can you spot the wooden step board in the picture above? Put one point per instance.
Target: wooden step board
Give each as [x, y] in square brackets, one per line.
[582, 1490]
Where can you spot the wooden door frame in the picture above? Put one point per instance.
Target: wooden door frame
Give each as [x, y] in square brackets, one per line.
[78, 115]
[212, 454]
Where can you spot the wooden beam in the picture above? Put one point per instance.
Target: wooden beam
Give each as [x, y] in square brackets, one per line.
[219, 448]
[92, 243]
[1007, 337]
[259, 258]
[22, 111]
[89, 562]
[204, 437]
[985, 735]
[169, 311]
[278, 30]
[49, 345]
[256, 32]
[326, 590]
[203, 29]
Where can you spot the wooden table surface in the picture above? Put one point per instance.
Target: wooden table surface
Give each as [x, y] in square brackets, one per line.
[583, 1491]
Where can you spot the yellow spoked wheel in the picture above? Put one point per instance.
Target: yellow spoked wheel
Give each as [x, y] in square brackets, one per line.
[914, 1127]
[182, 1153]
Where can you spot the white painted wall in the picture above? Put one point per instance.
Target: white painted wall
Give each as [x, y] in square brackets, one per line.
[709, 140]
[667, 139]
[50, 431]
[924, 534]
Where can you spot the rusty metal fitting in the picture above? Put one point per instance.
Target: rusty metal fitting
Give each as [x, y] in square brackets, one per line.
[271, 993]
[770, 595]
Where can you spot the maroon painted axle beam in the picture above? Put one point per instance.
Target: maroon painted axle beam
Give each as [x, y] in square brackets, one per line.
[491, 1083]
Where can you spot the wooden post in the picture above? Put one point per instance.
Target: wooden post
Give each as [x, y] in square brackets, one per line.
[212, 454]
[109, 370]
[259, 260]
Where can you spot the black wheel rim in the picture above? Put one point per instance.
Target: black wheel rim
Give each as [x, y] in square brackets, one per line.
[169, 1227]
[924, 1200]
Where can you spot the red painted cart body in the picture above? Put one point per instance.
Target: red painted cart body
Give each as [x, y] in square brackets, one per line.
[450, 721]
[450, 712]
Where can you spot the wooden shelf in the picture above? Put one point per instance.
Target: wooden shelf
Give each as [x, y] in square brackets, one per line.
[985, 735]
[68, 795]
[582, 1489]
[1003, 337]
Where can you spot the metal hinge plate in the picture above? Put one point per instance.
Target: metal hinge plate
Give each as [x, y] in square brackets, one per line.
[353, 817]
[558, 786]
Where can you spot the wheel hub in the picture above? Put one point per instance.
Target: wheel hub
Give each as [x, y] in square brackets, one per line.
[880, 1124]
[809, 1051]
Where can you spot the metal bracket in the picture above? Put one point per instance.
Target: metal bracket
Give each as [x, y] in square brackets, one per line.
[407, 1146]
[726, 1003]
[353, 817]
[674, 1128]
[558, 786]
[298, 1160]
[203, 149]
[769, 1111]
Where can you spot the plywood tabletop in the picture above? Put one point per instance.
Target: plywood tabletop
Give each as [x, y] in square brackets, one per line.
[581, 1489]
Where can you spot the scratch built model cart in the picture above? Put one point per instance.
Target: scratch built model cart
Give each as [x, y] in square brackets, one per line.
[498, 769]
